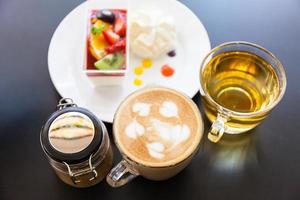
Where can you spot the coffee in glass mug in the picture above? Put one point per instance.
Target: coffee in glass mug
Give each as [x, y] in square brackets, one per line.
[158, 131]
[240, 84]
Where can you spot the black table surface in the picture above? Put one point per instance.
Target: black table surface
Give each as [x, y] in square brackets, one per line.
[261, 164]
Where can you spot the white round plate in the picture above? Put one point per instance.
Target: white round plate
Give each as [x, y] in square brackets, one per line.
[66, 53]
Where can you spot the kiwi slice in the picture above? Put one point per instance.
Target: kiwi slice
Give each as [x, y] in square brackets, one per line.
[110, 61]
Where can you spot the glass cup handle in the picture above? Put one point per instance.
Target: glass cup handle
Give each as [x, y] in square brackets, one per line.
[217, 129]
[121, 174]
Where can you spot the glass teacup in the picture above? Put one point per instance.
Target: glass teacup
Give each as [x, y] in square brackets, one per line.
[240, 84]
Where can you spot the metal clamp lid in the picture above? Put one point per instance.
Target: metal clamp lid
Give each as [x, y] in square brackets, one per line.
[74, 175]
[71, 134]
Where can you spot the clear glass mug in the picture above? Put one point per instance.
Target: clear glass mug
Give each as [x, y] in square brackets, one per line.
[240, 83]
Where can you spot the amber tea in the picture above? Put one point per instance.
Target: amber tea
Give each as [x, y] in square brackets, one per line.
[239, 89]
[241, 81]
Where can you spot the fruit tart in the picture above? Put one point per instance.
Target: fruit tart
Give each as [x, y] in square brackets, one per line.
[106, 45]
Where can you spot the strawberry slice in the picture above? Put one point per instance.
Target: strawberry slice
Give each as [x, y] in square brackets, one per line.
[110, 36]
[118, 46]
[120, 26]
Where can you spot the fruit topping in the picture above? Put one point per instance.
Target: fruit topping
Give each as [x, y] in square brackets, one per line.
[167, 70]
[118, 46]
[97, 42]
[111, 61]
[110, 36]
[120, 25]
[172, 53]
[98, 29]
[107, 40]
[93, 20]
[106, 16]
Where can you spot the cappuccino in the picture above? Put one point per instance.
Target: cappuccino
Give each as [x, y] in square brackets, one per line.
[158, 127]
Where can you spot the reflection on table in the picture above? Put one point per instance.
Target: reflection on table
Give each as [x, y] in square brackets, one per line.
[232, 153]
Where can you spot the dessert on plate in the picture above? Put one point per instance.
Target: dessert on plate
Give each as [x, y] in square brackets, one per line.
[153, 39]
[152, 33]
[105, 62]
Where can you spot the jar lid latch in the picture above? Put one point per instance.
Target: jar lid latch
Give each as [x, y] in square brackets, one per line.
[65, 102]
[74, 176]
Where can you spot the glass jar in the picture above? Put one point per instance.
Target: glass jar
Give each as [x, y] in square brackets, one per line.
[77, 145]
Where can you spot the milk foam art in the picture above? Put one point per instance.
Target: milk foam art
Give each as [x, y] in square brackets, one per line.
[169, 109]
[134, 129]
[162, 137]
[143, 109]
[156, 150]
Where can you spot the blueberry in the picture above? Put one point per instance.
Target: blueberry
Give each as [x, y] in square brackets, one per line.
[106, 16]
[172, 53]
